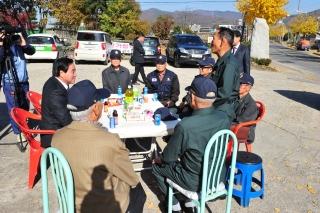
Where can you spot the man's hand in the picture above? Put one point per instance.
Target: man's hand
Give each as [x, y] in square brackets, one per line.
[170, 103]
[157, 161]
[1, 39]
[23, 42]
[183, 104]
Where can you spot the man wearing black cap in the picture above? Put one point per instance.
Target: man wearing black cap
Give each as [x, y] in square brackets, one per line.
[205, 69]
[165, 83]
[104, 179]
[225, 72]
[246, 107]
[115, 75]
[189, 141]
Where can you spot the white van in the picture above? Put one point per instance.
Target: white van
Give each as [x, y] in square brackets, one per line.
[92, 45]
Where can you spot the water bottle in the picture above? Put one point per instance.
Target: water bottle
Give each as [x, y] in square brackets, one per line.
[157, 119]
[112, 123]
[119, 91]
[145, 90]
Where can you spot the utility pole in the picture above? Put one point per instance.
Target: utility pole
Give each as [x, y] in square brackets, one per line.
[299, 7]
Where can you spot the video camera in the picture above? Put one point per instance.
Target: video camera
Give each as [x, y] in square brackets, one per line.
[11, 31]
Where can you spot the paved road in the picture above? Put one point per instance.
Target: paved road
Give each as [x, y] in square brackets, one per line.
[301, 61]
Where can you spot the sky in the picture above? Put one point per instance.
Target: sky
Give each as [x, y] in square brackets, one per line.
[173, 5]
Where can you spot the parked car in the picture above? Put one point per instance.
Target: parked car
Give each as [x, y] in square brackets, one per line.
[186, 48]
[316, 45]
[152, 48]
[92, 45]
[47, 46]
[303, 45]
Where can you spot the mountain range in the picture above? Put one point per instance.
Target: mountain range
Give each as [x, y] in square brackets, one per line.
[202, 17]
[205, 18]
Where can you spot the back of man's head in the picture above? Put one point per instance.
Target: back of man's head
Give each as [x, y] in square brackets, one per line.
[61, 64]
[204, 90]
[227, 34]
[237, 33]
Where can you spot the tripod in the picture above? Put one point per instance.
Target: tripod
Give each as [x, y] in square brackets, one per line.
[16, 91]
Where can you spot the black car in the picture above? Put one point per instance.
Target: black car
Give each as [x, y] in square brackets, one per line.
[152, 48]
[186, 48]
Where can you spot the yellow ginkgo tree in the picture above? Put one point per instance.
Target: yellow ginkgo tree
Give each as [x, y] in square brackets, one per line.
[277, 30]
[270, 10]
[306, 25]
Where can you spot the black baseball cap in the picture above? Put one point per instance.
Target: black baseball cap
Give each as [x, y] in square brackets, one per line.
[207, 61]
[165, 114]
[115, 53]
[246, 79]
[84, 94]
[201, 86]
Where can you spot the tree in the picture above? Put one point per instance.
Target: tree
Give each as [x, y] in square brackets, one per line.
[176, 30]
[306, 25]
[186, 17]
[270, 10]
[121, 19]
[65, 11]
[277, 30]
[17, 9]
[162, 26]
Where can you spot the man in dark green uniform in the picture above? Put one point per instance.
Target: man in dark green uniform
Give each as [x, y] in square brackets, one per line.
[189, 141]
[225, 72]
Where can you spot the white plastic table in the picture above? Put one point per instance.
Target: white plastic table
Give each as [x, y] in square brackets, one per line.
[139, 129]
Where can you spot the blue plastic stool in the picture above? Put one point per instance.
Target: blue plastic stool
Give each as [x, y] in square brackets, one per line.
[248, 163]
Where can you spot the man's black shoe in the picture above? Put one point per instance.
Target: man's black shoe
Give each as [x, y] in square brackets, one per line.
[191, 209]
[164, 208]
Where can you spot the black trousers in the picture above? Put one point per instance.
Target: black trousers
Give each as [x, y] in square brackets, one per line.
[139, 69]
[137, 199]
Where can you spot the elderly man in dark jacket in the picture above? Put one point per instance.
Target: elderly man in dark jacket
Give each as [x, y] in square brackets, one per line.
[138, 59]
[55, 114]
[246, 107]
[115, 76]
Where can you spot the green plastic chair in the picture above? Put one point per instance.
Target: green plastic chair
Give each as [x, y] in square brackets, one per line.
[62, 177]
[211, 186]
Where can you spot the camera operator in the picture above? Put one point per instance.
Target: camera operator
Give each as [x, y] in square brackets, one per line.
[15, 78]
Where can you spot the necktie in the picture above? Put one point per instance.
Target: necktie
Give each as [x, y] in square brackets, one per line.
[234, 50]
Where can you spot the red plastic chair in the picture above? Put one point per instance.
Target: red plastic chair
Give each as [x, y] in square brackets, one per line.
[20, 116]
[35, 98]
[242, 130]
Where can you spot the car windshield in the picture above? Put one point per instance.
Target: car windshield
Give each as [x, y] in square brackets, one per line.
[191, 40]
[89, 36]
[151, 42]
[40, 40]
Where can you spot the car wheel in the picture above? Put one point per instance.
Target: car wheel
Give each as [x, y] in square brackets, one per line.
[76, 61]
[167, 55]
[176, 62]
[106, 61]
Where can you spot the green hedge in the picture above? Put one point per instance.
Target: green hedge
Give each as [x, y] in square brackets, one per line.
[262, 61]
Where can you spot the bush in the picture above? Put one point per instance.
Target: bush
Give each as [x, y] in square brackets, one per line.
[246, 43]
[262, 61]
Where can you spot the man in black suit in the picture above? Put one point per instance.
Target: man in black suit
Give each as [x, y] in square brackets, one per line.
[55, 114]
[138, 53]
[241, 52]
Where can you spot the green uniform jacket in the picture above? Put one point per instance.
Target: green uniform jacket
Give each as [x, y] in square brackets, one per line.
[189, 141]
[227, 78]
